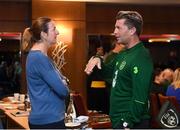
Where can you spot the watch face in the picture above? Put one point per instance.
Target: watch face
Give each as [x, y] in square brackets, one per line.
[125, 124]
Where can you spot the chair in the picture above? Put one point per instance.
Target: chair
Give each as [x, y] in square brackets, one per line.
[79, 104]
[172, 99]
[81, 109]
[154, 110]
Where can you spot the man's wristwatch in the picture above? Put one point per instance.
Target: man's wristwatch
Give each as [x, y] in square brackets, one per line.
[125, 125]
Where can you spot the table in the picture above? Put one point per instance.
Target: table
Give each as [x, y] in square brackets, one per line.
[11, 120]
[98, 121]
[21, 121]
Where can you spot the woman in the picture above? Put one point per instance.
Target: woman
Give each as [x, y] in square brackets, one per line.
[47, 88]
[174, 88]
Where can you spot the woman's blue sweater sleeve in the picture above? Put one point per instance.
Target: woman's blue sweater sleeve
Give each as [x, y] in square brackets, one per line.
[52, 77]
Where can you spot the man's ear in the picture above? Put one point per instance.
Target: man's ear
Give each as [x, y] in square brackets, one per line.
[133, 30]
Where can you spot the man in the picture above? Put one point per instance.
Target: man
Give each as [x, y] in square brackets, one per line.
[132, 72]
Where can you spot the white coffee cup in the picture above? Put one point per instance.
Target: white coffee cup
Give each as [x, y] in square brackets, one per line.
[22, 97]
[11, 98]
[16, 96]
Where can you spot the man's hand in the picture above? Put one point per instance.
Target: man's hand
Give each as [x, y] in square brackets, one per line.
[91, 64]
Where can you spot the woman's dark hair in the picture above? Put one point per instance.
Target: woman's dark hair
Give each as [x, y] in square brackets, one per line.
[133, 19]
[33, 34]
[40, 25]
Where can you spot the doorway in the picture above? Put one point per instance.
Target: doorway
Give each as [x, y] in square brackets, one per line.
[10, 63]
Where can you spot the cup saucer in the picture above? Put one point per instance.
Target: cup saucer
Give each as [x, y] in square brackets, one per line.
[72, 124]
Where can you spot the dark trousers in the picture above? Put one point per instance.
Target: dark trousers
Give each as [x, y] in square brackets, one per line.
[55, 125]
[144, 124]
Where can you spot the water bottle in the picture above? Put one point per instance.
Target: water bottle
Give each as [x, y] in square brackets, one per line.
[71, 112]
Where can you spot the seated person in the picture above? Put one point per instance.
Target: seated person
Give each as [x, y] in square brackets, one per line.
[116, 48]
[162, 79]
[174, 88]
[157, 86]
[167, 77]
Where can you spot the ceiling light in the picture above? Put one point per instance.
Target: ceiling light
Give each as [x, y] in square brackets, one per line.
[159, 40]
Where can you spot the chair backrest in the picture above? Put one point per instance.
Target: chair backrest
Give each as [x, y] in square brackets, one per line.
[81, 109]
[79, 104]
[154, 110]
[172, 99]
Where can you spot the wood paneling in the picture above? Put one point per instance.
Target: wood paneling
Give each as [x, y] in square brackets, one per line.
[158, 19]
[14, 11]
[13, 26]
[14, 16]
[69, 11]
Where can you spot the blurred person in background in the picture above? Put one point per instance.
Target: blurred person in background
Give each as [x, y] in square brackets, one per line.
[100, 51]
[95, 82]
[115, 49]
[166, 78]
[174, 88]
[157, 85]
[17, 76]
[3, 73]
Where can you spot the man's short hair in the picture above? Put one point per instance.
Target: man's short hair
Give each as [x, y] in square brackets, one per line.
[133, 19]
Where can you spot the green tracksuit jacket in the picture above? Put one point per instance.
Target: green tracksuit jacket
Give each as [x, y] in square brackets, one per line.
[132, 73]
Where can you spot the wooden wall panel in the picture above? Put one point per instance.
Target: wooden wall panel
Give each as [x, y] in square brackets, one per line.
[70, 11]
[13, 26]
[14, 11]
[14, 16]
[161, 28]
[158, 19]
[71, 15]
[100, 27]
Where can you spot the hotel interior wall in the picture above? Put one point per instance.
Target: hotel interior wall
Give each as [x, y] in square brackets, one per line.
[85, 18]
